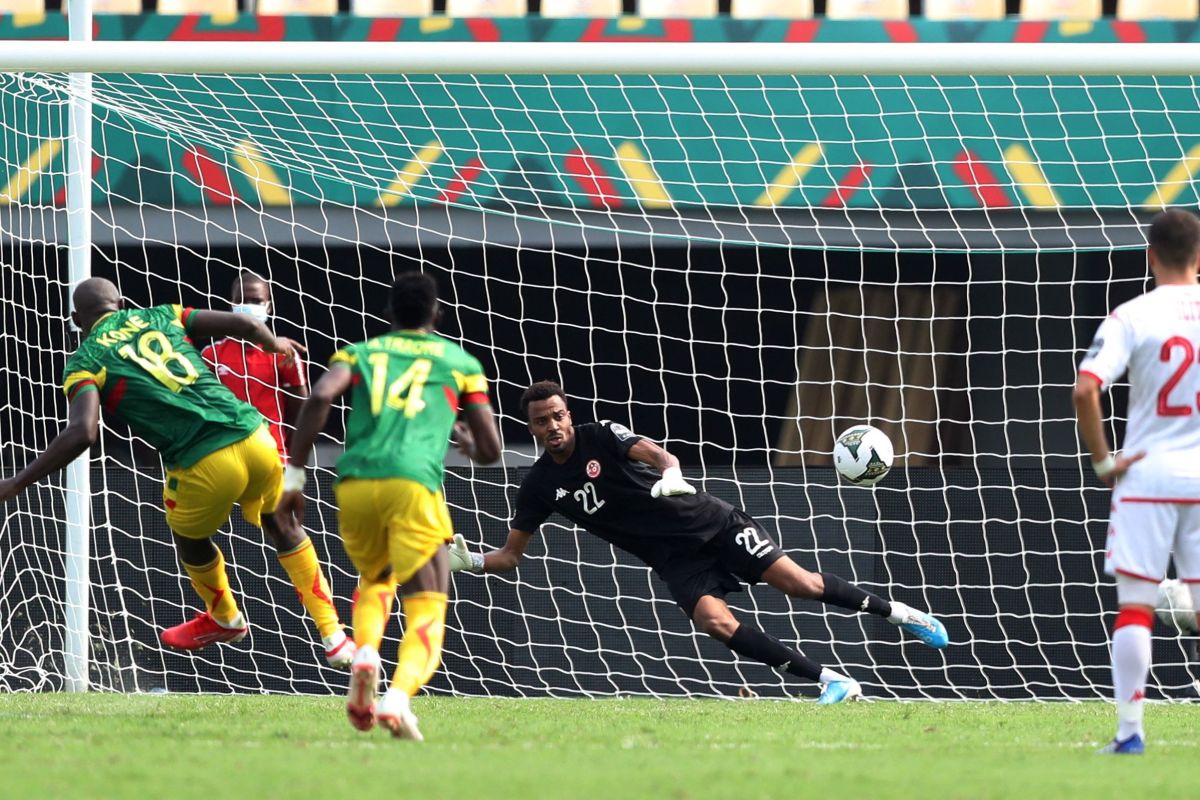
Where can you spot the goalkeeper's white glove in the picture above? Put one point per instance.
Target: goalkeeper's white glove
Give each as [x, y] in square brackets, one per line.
[672, 484]
[462, 559]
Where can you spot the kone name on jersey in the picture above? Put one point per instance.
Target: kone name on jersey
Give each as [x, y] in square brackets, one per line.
[133, 325]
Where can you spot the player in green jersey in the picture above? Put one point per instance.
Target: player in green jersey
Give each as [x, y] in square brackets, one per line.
[141, 366]
[408, 389]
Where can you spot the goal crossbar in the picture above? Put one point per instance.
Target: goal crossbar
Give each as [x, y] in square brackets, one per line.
[945, 58]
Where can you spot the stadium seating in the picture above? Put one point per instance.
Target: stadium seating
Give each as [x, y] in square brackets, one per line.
[866, 9]
[1060, 9]
[1158, 9]
[113, 6]
[665, 9]
[963, 9]
[22, 6]
[392, 8]
[219, 8]
[779, 9]
[940, 10]
[581, 8]
[486, 8]
[308, 8]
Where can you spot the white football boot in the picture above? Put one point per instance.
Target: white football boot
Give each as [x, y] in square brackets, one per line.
[395, 714]
[339, 650]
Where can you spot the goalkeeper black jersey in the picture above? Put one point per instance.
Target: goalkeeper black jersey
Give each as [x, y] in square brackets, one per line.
[600, 489]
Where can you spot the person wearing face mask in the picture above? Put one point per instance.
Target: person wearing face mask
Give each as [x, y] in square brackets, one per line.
[274, 385]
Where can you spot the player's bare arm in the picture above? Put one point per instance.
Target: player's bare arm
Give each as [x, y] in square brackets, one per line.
[216, 324]
[294, 397]
[309, 424]
[81, 432]
[476, 435]
[650, 453]
[503, 560]
[1091, 427]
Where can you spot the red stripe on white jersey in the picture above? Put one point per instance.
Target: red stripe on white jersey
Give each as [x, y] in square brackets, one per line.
[1181, 501]
[1129, 574]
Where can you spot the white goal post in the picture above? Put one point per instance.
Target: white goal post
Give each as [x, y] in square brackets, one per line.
[690, 211]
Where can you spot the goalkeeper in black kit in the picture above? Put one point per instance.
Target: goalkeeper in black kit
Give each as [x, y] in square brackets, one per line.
[630, 492]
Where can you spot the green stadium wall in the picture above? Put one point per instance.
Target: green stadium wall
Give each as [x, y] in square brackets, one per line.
[960, 143]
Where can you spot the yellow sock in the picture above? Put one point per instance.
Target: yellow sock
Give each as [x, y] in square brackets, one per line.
[304, 570]
[212, 584]
[421, 647]
[372, 606]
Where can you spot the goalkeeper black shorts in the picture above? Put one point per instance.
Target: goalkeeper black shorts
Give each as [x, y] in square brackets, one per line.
[740, 552]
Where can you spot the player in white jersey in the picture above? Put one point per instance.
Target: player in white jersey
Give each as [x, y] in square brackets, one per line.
[1156, 480]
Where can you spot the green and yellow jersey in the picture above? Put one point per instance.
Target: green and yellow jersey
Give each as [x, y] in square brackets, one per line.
[407, 389]
[149, 374]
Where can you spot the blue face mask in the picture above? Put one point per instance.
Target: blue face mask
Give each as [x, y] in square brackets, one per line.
[259, 311]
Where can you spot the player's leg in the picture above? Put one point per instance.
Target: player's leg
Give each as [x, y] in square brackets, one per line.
[198, 500]
[363, 528]
[1139, 546]
[420, 528]
[711, 614]
[749, 552]
[795, 581]
[424, 598]
[1131, 651]
[1187, 569]
[292, 546]
[298, 557]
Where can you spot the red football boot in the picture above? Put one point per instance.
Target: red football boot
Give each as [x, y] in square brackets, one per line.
[200, 632]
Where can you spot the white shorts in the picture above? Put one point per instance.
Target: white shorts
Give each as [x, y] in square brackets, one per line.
[1155, 512]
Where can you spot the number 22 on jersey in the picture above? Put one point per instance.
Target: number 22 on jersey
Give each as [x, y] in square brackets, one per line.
[588, 498]
[404, 393]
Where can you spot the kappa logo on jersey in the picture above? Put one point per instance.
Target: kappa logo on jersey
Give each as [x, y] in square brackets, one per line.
[1096, 347]
[593, 468]
[560, 493]
[619, 430]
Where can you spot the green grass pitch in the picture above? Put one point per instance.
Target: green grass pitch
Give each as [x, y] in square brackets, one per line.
[176, 746]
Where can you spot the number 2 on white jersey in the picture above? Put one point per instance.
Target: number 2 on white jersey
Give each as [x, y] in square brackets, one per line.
[1165, 409]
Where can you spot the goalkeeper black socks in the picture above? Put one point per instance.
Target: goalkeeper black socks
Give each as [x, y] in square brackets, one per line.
[846, 595]
[750, 642]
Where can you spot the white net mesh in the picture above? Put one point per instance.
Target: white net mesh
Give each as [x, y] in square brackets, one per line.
[739, 266]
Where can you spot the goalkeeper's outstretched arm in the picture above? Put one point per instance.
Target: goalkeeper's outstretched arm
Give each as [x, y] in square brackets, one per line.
[502, 560]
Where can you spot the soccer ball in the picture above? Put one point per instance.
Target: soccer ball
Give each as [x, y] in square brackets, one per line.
[863, 455]
[1174, 606]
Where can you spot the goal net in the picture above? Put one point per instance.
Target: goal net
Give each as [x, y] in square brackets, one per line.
[736, 263]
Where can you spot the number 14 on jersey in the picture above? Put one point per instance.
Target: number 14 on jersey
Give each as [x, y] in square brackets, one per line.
[404, 393]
